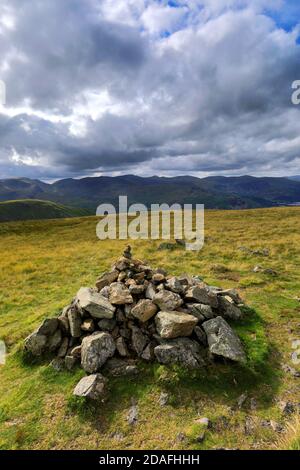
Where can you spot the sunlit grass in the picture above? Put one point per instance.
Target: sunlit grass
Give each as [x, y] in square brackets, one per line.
[43, 264]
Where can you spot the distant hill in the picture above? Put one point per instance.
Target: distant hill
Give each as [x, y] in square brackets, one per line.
[29, 209]
[215, 192]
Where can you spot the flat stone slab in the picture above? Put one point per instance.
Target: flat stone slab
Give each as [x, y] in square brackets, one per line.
[93, 387]
[94, 303]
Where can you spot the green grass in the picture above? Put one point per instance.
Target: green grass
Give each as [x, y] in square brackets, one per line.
[31, 209]
[44, 263]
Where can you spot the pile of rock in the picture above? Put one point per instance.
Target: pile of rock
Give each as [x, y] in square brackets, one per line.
[134, 312]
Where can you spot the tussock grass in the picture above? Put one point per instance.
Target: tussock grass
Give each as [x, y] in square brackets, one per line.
[44, 263]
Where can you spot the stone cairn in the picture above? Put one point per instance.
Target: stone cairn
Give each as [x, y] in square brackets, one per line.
[136, 312]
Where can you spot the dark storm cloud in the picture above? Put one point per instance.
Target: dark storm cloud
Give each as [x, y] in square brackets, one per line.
[97, 86]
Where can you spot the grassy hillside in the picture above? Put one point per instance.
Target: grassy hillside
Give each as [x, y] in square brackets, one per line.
[30, 209]
[43, 265]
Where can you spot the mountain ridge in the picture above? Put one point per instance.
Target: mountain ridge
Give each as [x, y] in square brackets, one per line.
[215, 192]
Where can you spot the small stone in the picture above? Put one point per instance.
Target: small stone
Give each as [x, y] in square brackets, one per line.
[63, 324]
[201, 311]
[158, 277]
[93, 387]
[122, 347]
[121, 367]
[94, 303]
[138, 341]
[148, 353]
[167, 300]
[201, 295]
[106, 279]
[229, 309]
[48, 327]
[76, 352]
[287, 407]
[35, 344]
[119, 294]
[222, 340]
[174, 324]
[150, 291]
[182, 351]
[132, 416]
[136, 289]
[122, 264]
[241, 400]
[75, 321]
[88, 325]
[174, 285]
[201, 335]
[290, 370]
[96, 349]
[163, 399]
[144, 310]
[63, 348]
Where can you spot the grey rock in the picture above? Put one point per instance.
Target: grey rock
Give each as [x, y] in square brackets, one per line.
[122, 347]
[148, 353]
[63, 324]
[291, 370]
[150, 291]
[222, 340]
[174, 324]
[48, 327]
[167, 300]
[93, 387]
[287, 407]
[182, 351]
[107, 324]
[54, 341]
[158, 278]
[36, 344]
[241, 400]
[96, 349]
[75, 321]
[119, 294]
[122, 264]
[63, 348]
[233, 293]
[163, 399]
[138, 341]
[201, 311]
[174, 285]
[94, 303]
[229, 309]
[201, 335]
[202, 295]
[137, 289]
[132, 416]
[106, 279]
[105, 292]
[144, 310]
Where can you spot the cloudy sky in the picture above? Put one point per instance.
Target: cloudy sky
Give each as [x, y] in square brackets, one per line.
[198, 87]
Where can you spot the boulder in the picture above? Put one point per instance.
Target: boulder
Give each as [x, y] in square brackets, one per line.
[183, 351]
[94, 303]
[93, 387]
[144, 310]
[119, 294]
[222, 340]
[75, 321]
[167, 300]
[106, 279]
[202, 295]
[95, 350]
[174, 324]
